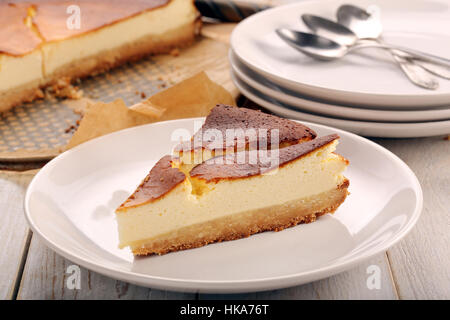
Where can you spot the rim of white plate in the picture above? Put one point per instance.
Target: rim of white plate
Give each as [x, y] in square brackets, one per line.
[180, 284]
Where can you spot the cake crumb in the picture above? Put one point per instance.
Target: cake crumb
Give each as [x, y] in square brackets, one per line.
[62, 88]
[39, 94]
[175, 52]
[143, 95]
[72, 128]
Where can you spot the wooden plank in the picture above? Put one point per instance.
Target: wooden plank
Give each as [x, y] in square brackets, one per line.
[14, 233]
[218, 31]
[46, 276]
[420, 263]
[347, 285]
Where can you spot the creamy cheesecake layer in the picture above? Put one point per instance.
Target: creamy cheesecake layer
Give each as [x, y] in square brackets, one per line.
[314, 173]
[245, 223]
[20, 78]
[20, 57]
[154, 23]
[16, 71]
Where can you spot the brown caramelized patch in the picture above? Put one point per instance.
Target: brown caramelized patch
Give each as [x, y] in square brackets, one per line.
[24, 23]
[51, 17]
[231, 168]
[161, 179]
[16, 38]
[223, 117]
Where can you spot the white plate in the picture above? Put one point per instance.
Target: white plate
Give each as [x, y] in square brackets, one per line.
[365, 128]
[71, 201]
[368, 78]
[309, 104]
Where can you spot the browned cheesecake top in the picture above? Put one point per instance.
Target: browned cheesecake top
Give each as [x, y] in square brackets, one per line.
[51, 15]
[16, 38]
[161, 179]
[223, 117]
[231, 168]
[50, 19]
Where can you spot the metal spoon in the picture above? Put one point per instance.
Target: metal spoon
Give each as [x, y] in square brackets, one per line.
[312, 45]
[325, 49]
[343, 35]
[368, 26]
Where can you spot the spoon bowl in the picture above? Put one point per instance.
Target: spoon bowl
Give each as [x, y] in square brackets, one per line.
[361, 22]
[322, 48]
[312, 45]
[367, 25]
[330, 29]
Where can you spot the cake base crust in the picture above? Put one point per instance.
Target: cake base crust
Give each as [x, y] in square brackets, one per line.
[25, 93]
[103, 61]
[245, 224]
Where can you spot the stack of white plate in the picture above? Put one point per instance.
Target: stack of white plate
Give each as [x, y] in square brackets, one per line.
[364, 92]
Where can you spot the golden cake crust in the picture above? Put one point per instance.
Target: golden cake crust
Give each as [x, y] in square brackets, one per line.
[25, 93]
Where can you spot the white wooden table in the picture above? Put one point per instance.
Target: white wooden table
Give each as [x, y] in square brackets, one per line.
[416, 268]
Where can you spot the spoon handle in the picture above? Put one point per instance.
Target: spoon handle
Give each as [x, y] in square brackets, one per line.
[415, 73]
[413, 53]
[433, 68]
[436, 69]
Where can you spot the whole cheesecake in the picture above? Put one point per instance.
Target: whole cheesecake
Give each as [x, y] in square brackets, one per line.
[227, 197]
[39, 45]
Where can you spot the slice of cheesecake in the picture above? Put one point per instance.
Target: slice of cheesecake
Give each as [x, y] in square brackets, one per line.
[21, 71]
[111, 32]
[225, 199]
[41, 41]
[231, 129]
